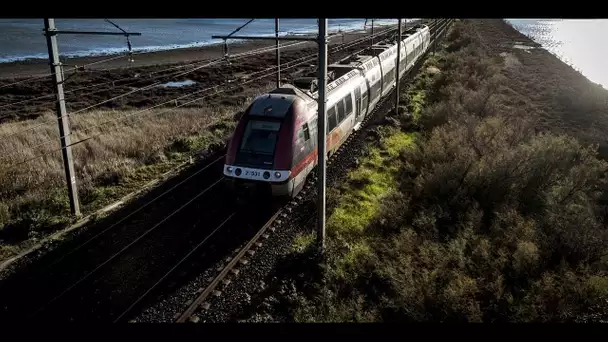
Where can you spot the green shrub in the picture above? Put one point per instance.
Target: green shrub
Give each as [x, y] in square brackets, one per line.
[489, 220]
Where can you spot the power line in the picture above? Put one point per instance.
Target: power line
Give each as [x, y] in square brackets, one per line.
[309, 58]
[115, 255]
[51, 74]
[240, 55]
[142, 111]
[236, 56]
[340, 47]
[216, 61]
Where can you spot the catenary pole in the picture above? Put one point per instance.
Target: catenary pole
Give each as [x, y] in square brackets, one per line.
[51, 32]
[321, 131]
[276, 33]
[397, 78]
[62, 119]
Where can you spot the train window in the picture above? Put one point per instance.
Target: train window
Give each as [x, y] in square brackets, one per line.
[331, 119]
[349, 103]
[300, 135]
[313, 127]
[364, 102]
[358, 100]
[260, 137]
[341, 113]
[375, 91]
[306, 132]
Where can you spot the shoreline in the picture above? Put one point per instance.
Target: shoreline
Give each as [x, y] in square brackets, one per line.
[33, 67]
[26, 90]
[581, 106]
[566, 61]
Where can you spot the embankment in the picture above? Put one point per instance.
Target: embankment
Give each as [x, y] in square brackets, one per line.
[483, 204]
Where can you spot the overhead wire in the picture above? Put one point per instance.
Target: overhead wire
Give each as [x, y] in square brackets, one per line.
[68, 71]
[181, 105]
[217, 61]
[235, 56]
[132, 242]
[309, 58]
[115, 255]
[212, 62]
[240, 55]
[85, 65]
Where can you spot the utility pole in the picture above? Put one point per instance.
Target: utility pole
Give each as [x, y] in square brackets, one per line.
[321, 40]
[62, 119]
[322, 131]
[372, 41]
[435, 37]
[397, 74]
[51, 32]
[276, 33]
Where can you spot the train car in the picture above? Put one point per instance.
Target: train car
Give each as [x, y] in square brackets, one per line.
[274, 145]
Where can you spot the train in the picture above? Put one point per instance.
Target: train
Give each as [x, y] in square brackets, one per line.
[274, 145]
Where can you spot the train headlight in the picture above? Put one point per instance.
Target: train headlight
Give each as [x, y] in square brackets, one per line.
[277, 174]
[237, 172]
[229, 169]
[266, 175]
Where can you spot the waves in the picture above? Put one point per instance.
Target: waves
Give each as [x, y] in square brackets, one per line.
[577, 42]
[22, 39]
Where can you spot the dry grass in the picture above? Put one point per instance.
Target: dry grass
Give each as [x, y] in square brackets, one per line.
[129, 148]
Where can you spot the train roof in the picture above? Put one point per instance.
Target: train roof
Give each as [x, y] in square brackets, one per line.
[346, 68]
[275, 103]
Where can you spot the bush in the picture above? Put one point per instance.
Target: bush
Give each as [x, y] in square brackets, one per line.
[493, 220]
[5, 215]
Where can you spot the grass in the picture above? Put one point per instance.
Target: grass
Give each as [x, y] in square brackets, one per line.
[482, 216]
[125, 155]
[367, 185]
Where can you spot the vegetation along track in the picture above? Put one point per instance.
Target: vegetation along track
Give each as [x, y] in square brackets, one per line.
[162, 223]
[197, 299]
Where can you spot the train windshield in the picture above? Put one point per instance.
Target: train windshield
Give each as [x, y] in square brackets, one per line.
[260, 137]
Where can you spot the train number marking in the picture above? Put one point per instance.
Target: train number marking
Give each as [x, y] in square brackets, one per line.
[252, 173]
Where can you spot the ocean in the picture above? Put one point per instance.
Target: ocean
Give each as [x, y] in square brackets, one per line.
[22, 39]
[578, 42]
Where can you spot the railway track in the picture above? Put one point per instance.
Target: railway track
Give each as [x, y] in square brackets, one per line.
[157, 247]
[59, 275]
[240, 257]
[189, 262]
[231, 269]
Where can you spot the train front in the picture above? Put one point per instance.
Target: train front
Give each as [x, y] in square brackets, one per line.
[259, 155]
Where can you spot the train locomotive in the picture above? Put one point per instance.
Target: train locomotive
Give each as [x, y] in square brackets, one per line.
[274, 145]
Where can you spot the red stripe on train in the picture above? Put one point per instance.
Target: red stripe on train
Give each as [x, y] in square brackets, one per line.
[333, 138]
